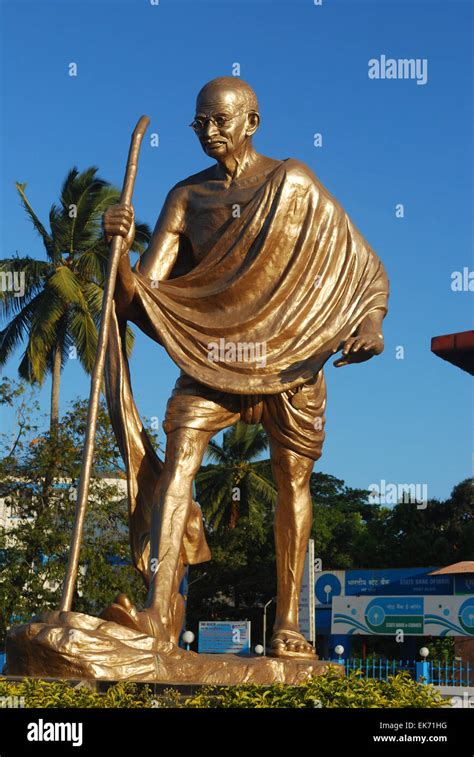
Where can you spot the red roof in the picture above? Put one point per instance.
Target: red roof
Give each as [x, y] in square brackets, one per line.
[457, 349]
[467, 566]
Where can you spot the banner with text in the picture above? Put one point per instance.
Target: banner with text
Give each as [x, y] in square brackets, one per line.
[416, 616]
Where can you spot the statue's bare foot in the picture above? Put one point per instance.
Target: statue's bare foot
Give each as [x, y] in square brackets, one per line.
[123, 611]
[291, 644]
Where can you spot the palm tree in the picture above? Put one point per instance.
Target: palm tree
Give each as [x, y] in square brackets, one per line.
[237, 484]
[59, 309]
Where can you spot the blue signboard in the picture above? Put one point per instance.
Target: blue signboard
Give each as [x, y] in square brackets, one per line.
[419, 616]
[397, 581]
[464, 583]
[327, 585]
[323, 621]
[388, 582]
[224, 637]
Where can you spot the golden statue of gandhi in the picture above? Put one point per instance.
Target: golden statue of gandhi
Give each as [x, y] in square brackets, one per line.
[253, 278]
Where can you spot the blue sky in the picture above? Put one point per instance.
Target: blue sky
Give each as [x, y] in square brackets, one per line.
[384, 142]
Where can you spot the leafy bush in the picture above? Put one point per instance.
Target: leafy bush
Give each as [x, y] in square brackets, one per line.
[329, 690]
[37, 693]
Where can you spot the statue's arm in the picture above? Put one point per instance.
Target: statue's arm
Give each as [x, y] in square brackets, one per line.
[372, 323]
[157, 261]
[368, 340]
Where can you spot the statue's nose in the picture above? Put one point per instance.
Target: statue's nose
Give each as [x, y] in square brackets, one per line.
[210, 129]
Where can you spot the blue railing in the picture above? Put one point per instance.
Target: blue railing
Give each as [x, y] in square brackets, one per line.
[455, 673]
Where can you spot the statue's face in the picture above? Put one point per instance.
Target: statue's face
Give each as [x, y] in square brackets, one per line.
[222, 123]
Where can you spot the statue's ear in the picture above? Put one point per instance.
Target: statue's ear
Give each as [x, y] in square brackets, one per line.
[253, 121]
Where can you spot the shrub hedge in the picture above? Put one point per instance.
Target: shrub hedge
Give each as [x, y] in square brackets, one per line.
[328, 690]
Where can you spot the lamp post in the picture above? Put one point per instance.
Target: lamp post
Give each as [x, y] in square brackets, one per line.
[339, 650]
[422, 669]
[265, 626]
[188, 638]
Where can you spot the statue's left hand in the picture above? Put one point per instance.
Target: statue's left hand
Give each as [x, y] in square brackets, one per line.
[359, 348]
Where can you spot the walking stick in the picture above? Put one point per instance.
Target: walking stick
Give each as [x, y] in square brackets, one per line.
[89, 441]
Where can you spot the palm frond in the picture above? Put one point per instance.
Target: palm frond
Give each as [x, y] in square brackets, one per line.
[215, 498]
[83, 332]
[142, 237]
[59, 224]
[245, 442]
[91, 263]
[33, 273]
[262, 488]
[14, 333]
[84, 197]
[62, 301]
[215, 453]
[67, 286]
[233, 466]
[87, 224]
[47, 239]
[44, 335]
[129, 340]
[93, 295]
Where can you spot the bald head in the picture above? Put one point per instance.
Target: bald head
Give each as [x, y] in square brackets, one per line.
[226, 118]
[229, 89]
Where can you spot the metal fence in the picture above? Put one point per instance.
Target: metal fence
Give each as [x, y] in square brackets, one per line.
[455, 673]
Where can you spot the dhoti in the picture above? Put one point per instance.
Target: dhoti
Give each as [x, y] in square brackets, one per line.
[293, 419]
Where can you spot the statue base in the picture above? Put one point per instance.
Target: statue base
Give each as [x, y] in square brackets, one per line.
[72, 645]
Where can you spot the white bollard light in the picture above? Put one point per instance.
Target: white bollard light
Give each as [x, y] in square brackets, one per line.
[188, 638]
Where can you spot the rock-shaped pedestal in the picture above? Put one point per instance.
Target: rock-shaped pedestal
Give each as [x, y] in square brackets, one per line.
[73, 645]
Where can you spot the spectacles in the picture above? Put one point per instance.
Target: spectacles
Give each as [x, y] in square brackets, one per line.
[218, 120]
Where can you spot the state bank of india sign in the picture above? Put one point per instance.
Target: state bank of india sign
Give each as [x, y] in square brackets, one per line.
[419, 616]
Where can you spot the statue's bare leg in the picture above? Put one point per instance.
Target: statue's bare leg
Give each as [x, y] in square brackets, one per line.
[178, 605]
[185, 448]
[293, 520]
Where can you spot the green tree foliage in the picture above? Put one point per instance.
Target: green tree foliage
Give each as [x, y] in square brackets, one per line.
[60, 306]
[441, 533]
[236, 483]
[238, 496]
[341, 518]
[33, 553]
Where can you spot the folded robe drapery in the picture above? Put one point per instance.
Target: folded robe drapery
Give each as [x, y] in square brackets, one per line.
[142, 464]
[290, 277]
